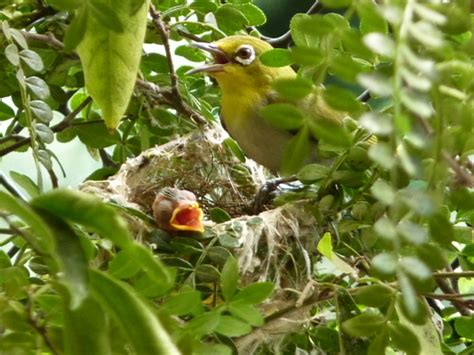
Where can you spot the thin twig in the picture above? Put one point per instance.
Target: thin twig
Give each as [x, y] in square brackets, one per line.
[453, 275]
[41, 329]
[189, 35]
[61, 126]
[165, 37]
[10, 187]
[284, 39]
[460, 305]
[450, 296]
[164, 96]
[49, 39]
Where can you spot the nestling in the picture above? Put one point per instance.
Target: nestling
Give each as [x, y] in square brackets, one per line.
[177, 210]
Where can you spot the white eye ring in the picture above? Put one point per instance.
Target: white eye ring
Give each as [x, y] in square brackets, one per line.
[249, 59]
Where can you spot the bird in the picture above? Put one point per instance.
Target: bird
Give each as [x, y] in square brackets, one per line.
[247, 86]
[177, 210]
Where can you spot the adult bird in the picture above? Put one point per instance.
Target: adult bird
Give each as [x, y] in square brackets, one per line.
[247, 86]
[177, 211]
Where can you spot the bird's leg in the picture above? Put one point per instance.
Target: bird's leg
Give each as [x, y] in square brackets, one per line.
[264, 194]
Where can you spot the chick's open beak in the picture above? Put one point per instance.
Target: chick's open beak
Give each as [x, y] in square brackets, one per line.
[187, 217]
[220, 58]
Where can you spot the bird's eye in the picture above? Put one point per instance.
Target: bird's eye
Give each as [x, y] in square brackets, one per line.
[245, 54]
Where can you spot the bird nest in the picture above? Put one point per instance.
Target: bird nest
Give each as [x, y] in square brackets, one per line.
[275, 245]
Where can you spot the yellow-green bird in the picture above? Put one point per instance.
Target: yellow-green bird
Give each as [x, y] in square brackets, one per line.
[246, 86]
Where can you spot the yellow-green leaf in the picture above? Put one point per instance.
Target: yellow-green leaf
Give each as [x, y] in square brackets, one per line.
[110, 58]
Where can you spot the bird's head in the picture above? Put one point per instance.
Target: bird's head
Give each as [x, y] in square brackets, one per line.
[177, 210]
[237, 62]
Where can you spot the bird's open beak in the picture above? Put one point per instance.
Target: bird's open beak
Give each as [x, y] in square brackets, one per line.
[220, 59]
[187, 217]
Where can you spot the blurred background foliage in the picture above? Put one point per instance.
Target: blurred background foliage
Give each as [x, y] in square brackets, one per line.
[392, 267]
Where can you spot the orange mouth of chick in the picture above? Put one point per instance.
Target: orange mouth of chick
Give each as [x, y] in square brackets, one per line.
[187, 218]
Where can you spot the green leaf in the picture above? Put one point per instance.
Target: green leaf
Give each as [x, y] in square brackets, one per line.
[160, 275]
[41, 110]
[186, 302]
[203, 6]
[88, 210]
[376, 123]
[385, 228]
[107, 15]
[235, 149]
[203, 324]
[379, 344]
[441, 229]
[71, 258]
[312, 172]
[282, 116]
[364, 324]
[465, 327]
[18, 37]
[76, 30]
[125, 264]
[330, 131]
[412, 232]
[336, 4]
[341, 99]
[412, 307]
[67, 5]
[11, 52]
[86, 330]
[110, 60]
[214, 349]
[246, 312]
[253, 14]
[207, 273]
[139, 323]
[371, 19]
[383, 192]
[38, 87]
[25, 183]
[303, 32]
[293, 89]
[96, 135]
[190, 53]
[232, 327]
[254, 293]
[44, 133]
[218, 215]
[229, 278]
[308, 56]
[219, 255]
[374, 295]
[297, 152]
[385, 263]
[6, 111]
[32, 59]
[376, 83]
[380, 44]
[5, 261]
[230, 19]
[276, 58]
[43, 239]
[325, 246]
[381, 154]
[416, 102]
[403, 338]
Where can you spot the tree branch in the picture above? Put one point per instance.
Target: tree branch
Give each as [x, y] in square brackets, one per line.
[175, 96]
[453, 275]
[61, 126]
